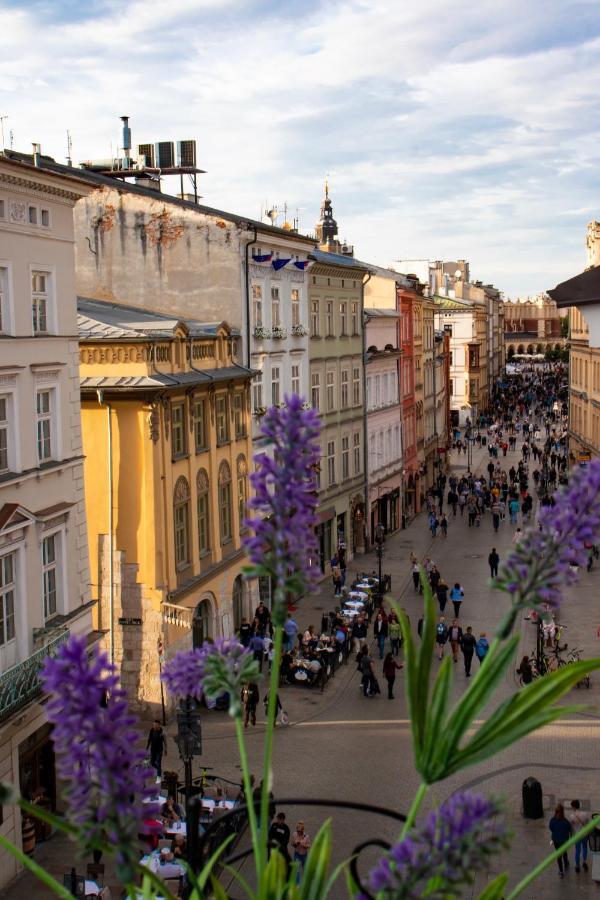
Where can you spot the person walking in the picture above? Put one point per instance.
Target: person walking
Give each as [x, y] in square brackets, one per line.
[416, 575]
[290, 630]
[366, 668]
[359, 632]
[394, 633]
[301, 845]
[257, 646]
[380, 631]
[482, 646]
[578, 818]
[442, 594]
[279, 836]
[389, 673]
[250, 700]
[444, 525]
[467, 645]
[525, 671]
[560, 829]
[336, 576]
[157, 744]
[456, 595]
[455, 634]
[493, 561]
[433, 524]
[441, 635]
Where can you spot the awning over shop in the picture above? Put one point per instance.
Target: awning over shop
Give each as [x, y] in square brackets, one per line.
[325, 515]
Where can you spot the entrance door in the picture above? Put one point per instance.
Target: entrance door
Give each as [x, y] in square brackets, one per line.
[202, 623]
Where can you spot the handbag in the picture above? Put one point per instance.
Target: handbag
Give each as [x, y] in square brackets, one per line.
[284, 718]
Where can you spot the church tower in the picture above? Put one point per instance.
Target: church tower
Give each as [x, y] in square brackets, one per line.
[327, 229]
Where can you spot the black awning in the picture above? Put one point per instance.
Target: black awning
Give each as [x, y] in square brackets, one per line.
[578, 291]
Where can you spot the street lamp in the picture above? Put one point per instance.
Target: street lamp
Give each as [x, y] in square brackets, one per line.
[189, 738]
[379, 541]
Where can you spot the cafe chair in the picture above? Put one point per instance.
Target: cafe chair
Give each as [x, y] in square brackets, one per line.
[79, 884]
[175, 885]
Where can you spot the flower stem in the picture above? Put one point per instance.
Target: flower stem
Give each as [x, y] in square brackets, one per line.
[268, 746]
[550, 859]
[239, 732]
[414, 809]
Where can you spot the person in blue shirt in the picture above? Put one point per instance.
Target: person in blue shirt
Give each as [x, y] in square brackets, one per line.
[290, 630]
[561, 830]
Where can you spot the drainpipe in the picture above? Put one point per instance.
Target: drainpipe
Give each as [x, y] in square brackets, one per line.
[365, 426]
[111, 579]
[247, 274]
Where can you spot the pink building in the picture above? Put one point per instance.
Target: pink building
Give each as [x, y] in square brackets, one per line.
[384, 420]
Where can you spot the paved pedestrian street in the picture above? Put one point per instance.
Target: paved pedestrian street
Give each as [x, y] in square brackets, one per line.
[343, 746]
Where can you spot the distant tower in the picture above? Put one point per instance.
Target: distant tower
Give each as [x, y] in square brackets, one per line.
[327, 226]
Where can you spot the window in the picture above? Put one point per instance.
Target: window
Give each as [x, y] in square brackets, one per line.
[181, 522]
[238, 414]
[225, 502]
[33, 215]
[330, 391]
[275, 386]
[4, 314]
[354, 317]
[275, 307]
[372, 453]
[8, 586]
[330, 463]
[315, 390]
[385, 399]
[329, 318]
[296, 380]
[344, 401]
[2, 209]
[396, 442]
[377, 391]
[343, 318]
[50, 553]
[345, 458]
[388, 446]
[178, 433]
[257, 305]
[242, 485]
[44, 425]
[202, 508]
[257, 391]
[314, 318]
[356, 387]
[356, 450]
[222, 421]
[295, 306]
[39, 301]
[4, 465]
[200, 424]
[379, 450]
[45, 218]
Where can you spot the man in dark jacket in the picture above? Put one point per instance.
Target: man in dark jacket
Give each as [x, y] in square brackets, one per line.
[245, 632]
[157, 744]
[467, 645]
[493, 560]
[359, 632]
[279, 835]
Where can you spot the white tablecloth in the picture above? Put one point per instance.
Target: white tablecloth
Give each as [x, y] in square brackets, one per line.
[168, 870]
[358, 595]
[92, 888]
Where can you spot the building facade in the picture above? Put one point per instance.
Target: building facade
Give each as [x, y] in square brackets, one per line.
[167, 441]
[531, 326]
[384, 419]
[407, 295]
[44, 570]
[335, 296]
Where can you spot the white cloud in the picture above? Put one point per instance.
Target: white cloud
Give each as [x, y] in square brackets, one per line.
[465, 130]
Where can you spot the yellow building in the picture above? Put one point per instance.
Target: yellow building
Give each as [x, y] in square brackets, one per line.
[166, 437]
[584, 389]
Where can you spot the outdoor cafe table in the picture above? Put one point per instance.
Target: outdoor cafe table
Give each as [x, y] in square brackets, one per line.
[168, 869]
[358, 595]
[91, 888]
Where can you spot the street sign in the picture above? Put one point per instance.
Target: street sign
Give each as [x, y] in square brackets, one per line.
[127, 620]
[584, 456]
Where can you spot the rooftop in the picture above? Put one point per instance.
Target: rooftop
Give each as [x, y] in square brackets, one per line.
[99, 320]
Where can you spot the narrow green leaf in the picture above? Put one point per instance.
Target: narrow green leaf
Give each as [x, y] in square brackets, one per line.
[51, 883]
[317, 864]
[435, 715]
[495, 889]
[425, 658]
[206, 870]
[334, 877]
[461, 718]
[240, 880]
[410, 680]
[217, 889]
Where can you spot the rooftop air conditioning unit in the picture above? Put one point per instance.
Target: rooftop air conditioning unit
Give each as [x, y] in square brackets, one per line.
[164, 154]
[147, 150]
[186, 154]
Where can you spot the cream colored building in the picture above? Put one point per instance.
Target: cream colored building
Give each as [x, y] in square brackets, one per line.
[531, 326]
[44, 571]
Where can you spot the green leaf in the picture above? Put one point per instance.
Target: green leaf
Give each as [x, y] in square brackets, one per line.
[436, 714]
[273, 878]
[495, 889]
[410, 680]
[207, 868]
[314, 877]
[217, 889]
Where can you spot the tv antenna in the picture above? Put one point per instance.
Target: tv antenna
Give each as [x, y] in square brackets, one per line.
[69, 149]
[2, 118]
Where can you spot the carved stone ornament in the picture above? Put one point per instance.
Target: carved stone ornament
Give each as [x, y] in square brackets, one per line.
[202, 481]
[154, 423]
[182, 490]
[224, 473]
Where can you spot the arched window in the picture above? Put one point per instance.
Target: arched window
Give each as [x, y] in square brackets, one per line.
[242, 489]
[181, 522]
[202, 512]
[202, 624]
[225, 502]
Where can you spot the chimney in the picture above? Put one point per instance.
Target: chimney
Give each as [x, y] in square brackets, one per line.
[37, 155]
[126, 139]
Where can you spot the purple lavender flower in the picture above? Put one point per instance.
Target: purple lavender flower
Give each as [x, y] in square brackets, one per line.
[546, 559]
[454, 843]
[285, 498]
[97, 748]
[218, 667]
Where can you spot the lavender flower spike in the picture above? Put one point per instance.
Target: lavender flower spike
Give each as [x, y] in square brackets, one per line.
[285, 499]
[213, 669]
[454, 843]
[545, 560]
[95, 742]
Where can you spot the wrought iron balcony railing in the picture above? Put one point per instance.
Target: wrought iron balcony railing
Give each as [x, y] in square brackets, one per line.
[21, 683]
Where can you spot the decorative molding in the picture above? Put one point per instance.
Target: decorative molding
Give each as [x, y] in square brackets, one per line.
[154, 423]
[39, 189]
[8, 379]
[47, 377]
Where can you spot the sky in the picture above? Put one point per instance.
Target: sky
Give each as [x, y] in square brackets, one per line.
[448, 130]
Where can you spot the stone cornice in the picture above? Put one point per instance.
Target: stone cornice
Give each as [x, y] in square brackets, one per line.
[38, 189]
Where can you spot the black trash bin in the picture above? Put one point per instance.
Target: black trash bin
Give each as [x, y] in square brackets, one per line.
[533, 807]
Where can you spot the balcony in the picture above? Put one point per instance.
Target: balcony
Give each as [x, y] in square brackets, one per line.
[21, 684]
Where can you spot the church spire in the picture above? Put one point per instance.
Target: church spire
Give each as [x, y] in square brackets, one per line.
[326, 227]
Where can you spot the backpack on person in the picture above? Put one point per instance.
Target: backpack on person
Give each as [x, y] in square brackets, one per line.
[481, 648]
